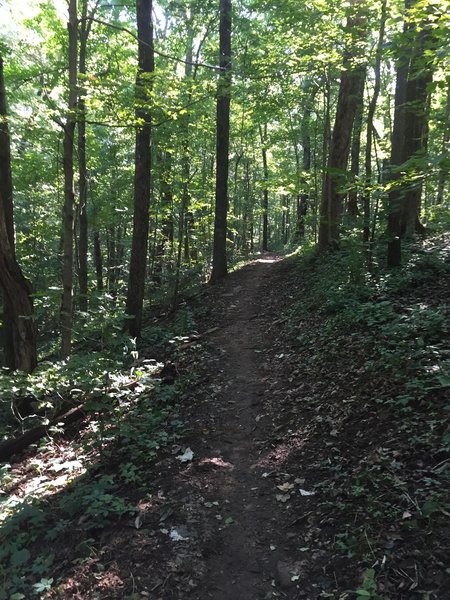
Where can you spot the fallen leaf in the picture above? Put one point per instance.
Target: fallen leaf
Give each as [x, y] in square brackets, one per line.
[186, 456]
[282, 497]
[306, 493]
[285, 487]
[176, 536]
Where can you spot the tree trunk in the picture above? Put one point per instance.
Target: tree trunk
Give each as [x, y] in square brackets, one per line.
[352, 200]
[139, 245]
[69, 196]
[444, 169]
[5, 164]
[98, 261]
[303, 198]
[219, 263]
[112, 260]
[370, 118]
[351, 76]
[416, 130]
[398, 135]
[409, 139]
[265, 198]
[19, 330]
[326, 142]
[85, 28]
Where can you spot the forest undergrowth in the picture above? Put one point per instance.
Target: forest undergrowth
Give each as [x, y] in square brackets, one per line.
[353, 419]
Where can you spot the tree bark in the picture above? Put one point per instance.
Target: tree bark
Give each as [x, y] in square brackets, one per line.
[416, 129]
[86, 23]
[352, 200]
[69, 195]
[398, 135]
[142, 173]
[265, 198]
[19, 330]
[5, 164]
[98, 259]
[351, 76]
[370, 118]
[219, 262]
[303, 198]
[444, 169]
[409, 138]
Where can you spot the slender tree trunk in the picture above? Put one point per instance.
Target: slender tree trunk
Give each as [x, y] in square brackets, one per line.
[219, 263]
[86, 23]
[69, 195]
[287, 221]
[184, 220]
[98, 259]
[165, 217]
[303, 198]
[398, 135]
[82, 166]
[370, 118]
[444, 169]
[265, 198]
[351, 76]
[247, 207]
[326, 142]
[112, 261]
[352, 200]
[19, 331]
[139, 246]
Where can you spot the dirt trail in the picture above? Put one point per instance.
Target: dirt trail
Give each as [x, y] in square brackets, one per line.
[243, 567]
[214, 528]
[241, 542]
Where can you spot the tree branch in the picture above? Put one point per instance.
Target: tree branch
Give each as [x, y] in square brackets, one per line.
[162, 54]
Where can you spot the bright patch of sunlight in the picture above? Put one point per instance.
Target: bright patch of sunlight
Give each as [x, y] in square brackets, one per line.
[43, 477]
[267, 260]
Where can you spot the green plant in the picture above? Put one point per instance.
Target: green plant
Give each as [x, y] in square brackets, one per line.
[368, 589]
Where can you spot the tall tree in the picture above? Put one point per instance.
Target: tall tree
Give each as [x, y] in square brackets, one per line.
[370, 125]
[219, 265]
[85, 28]
[142, 168]
[19, 331]
[331, 206]
[444, 168]
[69, 193]
[311, 88]
[410, 131]
[265, 197]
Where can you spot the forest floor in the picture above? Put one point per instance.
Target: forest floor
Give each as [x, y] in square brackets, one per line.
[290, 473]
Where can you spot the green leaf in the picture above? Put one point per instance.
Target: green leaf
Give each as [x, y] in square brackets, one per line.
[363, 593]
[444, 380]
[20, 557]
